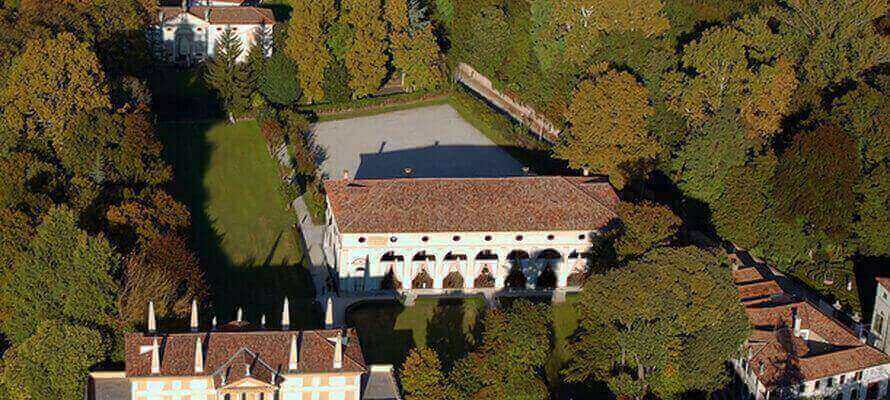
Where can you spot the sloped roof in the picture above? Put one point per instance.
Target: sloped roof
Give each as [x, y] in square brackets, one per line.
[514, 204]
[272, 348]
[225, 15]
[884, 281]
[778, 357]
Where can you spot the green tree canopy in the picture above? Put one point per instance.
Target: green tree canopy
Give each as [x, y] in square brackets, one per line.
[366, 59]
[815, 180]
[51, 83]
[645, 225]
[664, 325]
[607, 131]
[306, 44]
[422, 377]
[53, 363]
[65, 274]
[227, 76]
[278, 80]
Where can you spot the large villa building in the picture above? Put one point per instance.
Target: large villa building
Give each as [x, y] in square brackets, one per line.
[188, 33]
[797, 349]
[426, 235]
[241, 361]
[880, 325]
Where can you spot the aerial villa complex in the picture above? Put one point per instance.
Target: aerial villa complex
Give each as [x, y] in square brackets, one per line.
[188, 33]
[796, 349]
[239, 361]
[429, 235]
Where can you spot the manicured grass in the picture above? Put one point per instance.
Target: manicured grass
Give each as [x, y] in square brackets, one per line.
[388, 330]
[243, 232]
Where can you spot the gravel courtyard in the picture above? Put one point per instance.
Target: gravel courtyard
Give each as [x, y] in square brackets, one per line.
[434, 142]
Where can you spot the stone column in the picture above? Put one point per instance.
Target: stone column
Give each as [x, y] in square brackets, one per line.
[439, 271]
[501, 269]
[562, 274]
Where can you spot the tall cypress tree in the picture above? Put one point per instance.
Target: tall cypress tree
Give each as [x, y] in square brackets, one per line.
[229, 78]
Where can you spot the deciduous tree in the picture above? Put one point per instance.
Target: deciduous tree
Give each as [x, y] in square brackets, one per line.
[53, 363]
[52, 82]
[413, 47]
[607, 131]
[306, 44]
[165, 271]
[366, 59]
[644, 226]
[65, 274]
[422, 377]
[663, 325]
[815, 180]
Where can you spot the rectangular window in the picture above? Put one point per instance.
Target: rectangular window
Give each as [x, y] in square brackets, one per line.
[829, 382]
[843, 379]
[857, 376]
[818, 385]
[337, 381]
[879, 323]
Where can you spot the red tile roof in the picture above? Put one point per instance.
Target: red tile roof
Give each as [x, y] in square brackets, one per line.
[884, 281]
[234, 15]
[515, 204]
[787, 359]
[272, 348]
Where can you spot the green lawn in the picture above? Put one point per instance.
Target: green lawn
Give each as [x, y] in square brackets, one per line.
[243, 232]
[389, 330]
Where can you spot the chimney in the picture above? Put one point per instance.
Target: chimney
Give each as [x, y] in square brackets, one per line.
[152, 326]
[240, 315]
[796, 321]
[346, 174]
[199, 356]
[160, 17]
[155, 357]
[184, 5]
[213, 323]
[338, 351]
[762, 367]
[194, 320]
[285, 316]
[263, 321]
[585, 171]
[247, 369]
[408, 171]
[294, 356]
[329, 314]
[207, 14]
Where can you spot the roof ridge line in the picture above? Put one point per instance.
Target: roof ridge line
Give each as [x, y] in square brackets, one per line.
[578, 189]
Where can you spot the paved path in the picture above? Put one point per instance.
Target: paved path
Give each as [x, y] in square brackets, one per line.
[522, 113]
[433, 141]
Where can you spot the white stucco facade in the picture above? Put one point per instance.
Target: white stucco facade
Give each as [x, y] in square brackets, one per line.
[880, 326]
[368, 262]
[866, 384]
[190, 35]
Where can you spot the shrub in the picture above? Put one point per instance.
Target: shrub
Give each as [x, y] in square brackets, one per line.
[314, 199]
[336, 82]
[273, 133]
[278, 80]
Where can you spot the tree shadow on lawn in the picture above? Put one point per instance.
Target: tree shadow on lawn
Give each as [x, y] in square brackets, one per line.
[259, 288]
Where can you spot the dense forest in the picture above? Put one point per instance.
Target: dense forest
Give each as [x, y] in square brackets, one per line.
[769, 117]
[761, 120]
[88, 231]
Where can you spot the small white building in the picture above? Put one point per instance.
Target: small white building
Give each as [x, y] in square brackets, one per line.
[426, 235]
[188, 34]
[880, 326]
[796, 350]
